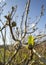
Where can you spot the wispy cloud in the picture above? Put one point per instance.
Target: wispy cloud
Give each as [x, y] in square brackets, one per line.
[2, 1]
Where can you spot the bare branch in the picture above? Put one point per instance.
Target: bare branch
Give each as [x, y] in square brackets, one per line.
[42, 10]
[27, 11]
[1, 22]
[40, 36]
[9, 23]
[22, 23]
[3, 5]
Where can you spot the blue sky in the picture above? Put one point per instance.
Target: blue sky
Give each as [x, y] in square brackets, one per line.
[35, 8]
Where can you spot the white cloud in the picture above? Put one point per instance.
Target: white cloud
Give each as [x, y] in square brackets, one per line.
[2, 1]
[32, 25]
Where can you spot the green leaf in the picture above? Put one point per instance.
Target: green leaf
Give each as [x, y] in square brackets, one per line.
[30, 40]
